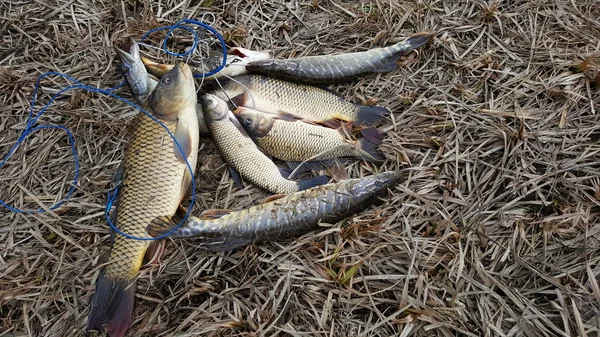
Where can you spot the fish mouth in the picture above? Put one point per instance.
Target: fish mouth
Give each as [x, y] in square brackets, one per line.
[184, 70]
[124, 51]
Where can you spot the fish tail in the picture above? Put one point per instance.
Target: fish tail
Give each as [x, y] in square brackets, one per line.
[367, 150]
[112, 305]
[312, 182]
[369, 115]
[417, 40]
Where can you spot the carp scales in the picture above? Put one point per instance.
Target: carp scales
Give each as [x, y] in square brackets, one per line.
[235, 64]
[155, 178]
[296, 141]
[325, 69]
[297, 101]
[289, 216]
[141, 83]
[241, 153]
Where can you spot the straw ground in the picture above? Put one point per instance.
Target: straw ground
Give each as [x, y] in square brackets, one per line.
[494, 233]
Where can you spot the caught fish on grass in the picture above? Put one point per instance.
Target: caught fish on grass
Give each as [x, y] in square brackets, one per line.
[286, 217]
[235, 64]
[155, 178]
[325, 69]
[299, 101]
[295, 141]
[141, 83]
[241, 153]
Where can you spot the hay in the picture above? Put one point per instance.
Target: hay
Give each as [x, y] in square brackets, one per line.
[495, 233]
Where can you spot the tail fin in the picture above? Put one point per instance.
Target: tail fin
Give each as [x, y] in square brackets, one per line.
[417, 40]
[312, 182]
[369, 115]
[112, 306]
[368, 151]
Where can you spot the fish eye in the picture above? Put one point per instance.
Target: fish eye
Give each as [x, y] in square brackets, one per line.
[248, 121]
[166, 80]
[126, 71]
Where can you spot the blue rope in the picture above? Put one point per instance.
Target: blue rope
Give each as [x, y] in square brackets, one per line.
[112, 193]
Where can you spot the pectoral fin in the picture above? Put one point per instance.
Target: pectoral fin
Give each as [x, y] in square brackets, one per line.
[183, 136]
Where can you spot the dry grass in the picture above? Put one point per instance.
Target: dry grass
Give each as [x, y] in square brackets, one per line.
[495, 233]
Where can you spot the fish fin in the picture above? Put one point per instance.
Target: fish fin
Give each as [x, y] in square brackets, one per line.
[369, 115]
[274, 197]
[286, 116]
[312, 182]
[157, 69]
[112, 305]
[184, 138]
[332, 123]
[368, 151]
[225, 244]
[311, 165]
[285, 172]
[377, 41]
[337, 171]
[239, 100]
[161, 225]
[237, 179]
[155, 251]
[419, 39]
[214, 213]
[372, 134]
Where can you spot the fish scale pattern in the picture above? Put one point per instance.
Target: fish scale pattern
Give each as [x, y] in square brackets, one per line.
[271, 95]
[298, 141]
[273, 220]
[151, 187]
[241, 153]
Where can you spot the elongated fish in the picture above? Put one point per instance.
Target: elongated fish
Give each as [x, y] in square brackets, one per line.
[295, 100]
[289, 216]
[141, 83]
[242, 154]
[235, 65]
[155, 179]
[339, 68]
[297, 141]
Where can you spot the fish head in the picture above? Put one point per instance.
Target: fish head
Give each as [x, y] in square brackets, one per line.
[215, 109]
[174, 93]
[256, 123]
[133, 68]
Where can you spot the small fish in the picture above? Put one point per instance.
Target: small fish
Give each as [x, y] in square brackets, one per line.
[154, 178]
[141, 82]
[339, 68]
[242, 154]
[235, 65]
[288, 216]
[297, 101]
[296, 141]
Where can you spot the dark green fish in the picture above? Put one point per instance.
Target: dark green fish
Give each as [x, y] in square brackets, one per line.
[339, 68]
[289, 216]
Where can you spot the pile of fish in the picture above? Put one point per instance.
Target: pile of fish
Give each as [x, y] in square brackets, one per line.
[256, 110]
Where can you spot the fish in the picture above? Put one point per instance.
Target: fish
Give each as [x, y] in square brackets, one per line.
[329, 69]
[297, 101]
[286, 217]
[155, 178]
[141, 83]
[235, 64]
[297, 141]
[241, 153]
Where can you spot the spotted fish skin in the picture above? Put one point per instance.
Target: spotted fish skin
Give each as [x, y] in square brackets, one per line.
[313, 104]
[339, 68]
[155, 179]
[286, 217]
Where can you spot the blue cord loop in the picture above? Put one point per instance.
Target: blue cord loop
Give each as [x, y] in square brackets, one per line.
[114, 190]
